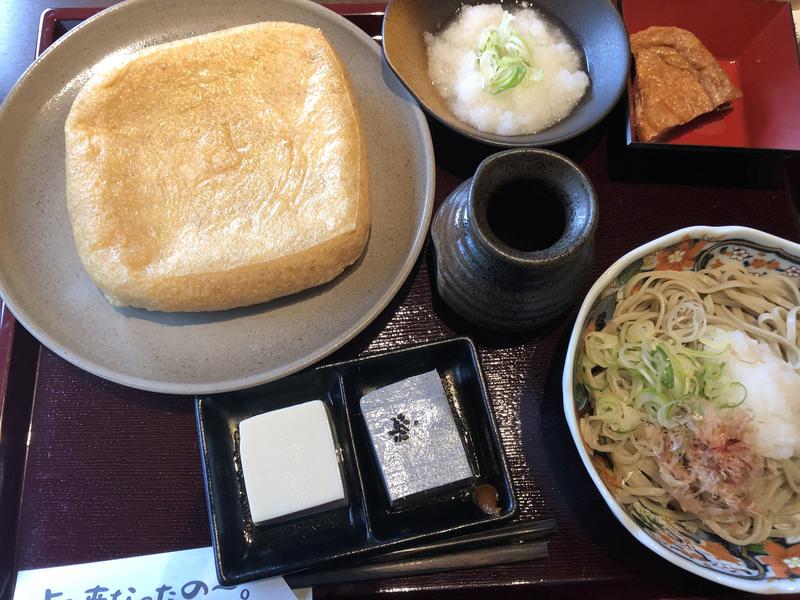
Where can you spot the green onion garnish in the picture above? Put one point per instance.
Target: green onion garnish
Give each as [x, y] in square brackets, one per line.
[664, 367]
[503, 58]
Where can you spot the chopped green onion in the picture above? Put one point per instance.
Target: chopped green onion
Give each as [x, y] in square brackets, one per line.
[666, 372]
[619, 417]
[601, 348]
[650, 401]
[735, 396]
[662, 381]
[506, 79]
[503, 58]
[587, 377]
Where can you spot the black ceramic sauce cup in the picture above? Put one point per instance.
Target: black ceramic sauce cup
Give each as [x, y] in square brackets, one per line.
[514, 244]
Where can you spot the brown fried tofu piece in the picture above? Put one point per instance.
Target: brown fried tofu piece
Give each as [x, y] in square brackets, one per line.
[677, 80]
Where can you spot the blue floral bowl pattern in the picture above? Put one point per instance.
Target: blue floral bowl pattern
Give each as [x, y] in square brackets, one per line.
[772, 567]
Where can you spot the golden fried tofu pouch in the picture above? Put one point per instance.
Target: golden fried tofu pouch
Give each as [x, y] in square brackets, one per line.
[677, 80]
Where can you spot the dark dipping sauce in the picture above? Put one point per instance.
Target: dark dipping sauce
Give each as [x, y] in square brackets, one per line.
[527, 214]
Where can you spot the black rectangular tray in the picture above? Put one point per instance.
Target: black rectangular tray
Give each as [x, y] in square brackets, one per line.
[368, 525]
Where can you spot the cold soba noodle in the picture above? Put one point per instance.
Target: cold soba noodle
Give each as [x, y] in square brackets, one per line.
[695, 386]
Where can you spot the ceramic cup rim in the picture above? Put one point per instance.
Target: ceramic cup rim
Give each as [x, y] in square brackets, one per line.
[571, 240]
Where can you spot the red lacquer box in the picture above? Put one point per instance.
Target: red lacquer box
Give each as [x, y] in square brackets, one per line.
[754, 42]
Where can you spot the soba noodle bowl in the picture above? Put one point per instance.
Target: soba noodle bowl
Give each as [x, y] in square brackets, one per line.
[695, 389]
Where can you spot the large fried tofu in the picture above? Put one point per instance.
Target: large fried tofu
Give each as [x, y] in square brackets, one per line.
[677, 80]
[218, 171]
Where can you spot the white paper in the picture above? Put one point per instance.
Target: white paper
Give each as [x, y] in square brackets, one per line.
[796, 18]
[183, 575]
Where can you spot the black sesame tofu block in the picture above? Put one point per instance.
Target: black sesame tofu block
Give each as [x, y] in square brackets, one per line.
[414, 436]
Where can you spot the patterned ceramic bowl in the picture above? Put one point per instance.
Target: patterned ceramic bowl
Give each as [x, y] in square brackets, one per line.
[772, 567]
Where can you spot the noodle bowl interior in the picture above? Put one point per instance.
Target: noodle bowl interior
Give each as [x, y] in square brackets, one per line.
[695, 390]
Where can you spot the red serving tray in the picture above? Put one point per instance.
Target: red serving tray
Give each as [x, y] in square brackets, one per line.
[112, 472]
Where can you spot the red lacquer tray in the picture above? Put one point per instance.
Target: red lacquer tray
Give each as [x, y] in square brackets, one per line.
[111, 472]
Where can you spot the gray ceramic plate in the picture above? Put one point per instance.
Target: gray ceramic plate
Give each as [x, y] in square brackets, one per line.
[41, 278]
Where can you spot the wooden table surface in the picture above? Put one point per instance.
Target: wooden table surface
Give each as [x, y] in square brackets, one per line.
[114, 472]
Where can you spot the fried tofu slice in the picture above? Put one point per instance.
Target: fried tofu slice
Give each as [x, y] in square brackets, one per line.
[677, 80]
[218, 171]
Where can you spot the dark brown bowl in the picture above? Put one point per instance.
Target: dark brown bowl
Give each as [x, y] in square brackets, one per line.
[594, 25]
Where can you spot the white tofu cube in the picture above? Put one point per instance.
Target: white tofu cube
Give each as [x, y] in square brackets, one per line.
[290, 463]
